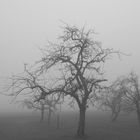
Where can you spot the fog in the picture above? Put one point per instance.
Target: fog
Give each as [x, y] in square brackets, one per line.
[27, 25]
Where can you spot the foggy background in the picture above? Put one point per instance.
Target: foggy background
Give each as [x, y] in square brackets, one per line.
[27, 25]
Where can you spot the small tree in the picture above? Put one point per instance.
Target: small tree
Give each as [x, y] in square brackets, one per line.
[112, 99]
[131, 98]
[129, 94]
[49, 105]
[36, 106]
[78, 60]
[52, 103]
[28, 83]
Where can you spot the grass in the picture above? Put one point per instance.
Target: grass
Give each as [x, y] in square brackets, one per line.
[98, 127]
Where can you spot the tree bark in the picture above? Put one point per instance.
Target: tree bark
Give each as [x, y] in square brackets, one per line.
[81, 124]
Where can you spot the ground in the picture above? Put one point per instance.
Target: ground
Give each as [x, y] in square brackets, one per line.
[98, 127]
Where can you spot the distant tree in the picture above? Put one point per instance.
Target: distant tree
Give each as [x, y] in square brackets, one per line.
[36, 106]
[126, 96]
[53, 104]
[78, 60]
[31, 85]
[49, 105]
[112, 99]
[131, 98]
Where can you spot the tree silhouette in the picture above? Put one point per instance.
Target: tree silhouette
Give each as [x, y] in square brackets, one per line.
[78, 59]
[31, 85]
[131, 98]
[49, 105]
[112, 99]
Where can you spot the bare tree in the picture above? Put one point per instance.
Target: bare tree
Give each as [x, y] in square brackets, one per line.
[78, 59]
[52, 102]
[49, 105]
[126, 95]
[31, 85]
[131, 99]
[36, 106]
[112, 99]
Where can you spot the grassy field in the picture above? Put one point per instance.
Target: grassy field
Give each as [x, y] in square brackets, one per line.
[98, 127]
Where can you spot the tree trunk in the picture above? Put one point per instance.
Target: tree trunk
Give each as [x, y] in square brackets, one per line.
[49, 117]
[42, 113]
[81, 124]
[58, 121]
[138, 112]
[114, 117]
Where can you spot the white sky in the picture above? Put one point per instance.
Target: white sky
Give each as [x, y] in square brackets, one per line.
[26, 25]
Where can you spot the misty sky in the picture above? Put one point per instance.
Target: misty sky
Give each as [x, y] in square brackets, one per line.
[26, 25]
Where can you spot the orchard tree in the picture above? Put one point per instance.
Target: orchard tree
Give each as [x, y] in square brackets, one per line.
[32, 87]
[53, 104]
[49, 104]
[77, 60]
[36, 106]
[127, 92]
[112, 99]
[131, 99]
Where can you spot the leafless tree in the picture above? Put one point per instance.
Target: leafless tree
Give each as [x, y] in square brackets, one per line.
[131, 99]
[126, 95]
[36, 106]
[53, 103]
[49, 105]
[78, 59]
[31, 85]
[112, 99]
